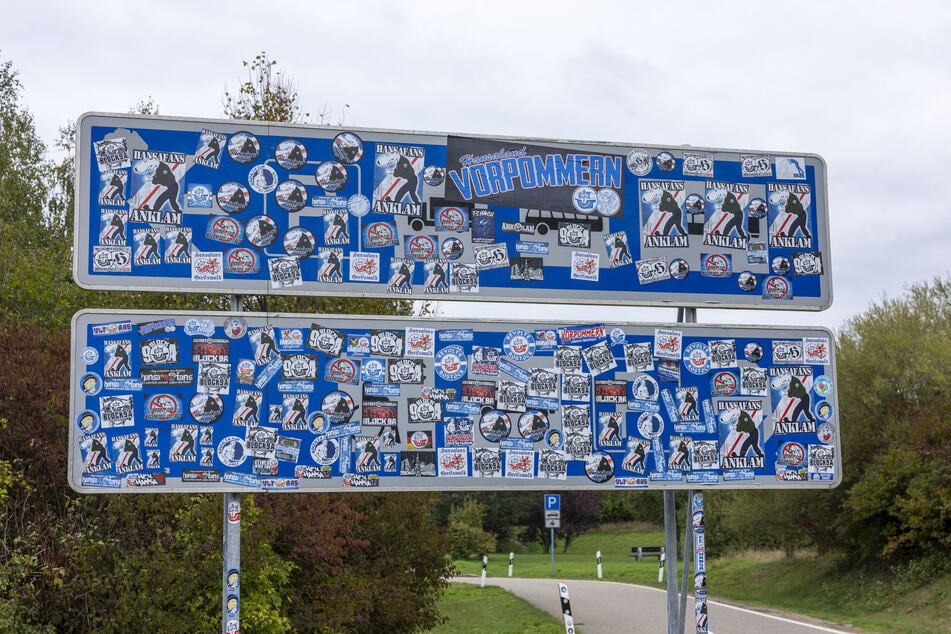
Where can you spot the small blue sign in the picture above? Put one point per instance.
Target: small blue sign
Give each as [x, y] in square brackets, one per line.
[552, 502]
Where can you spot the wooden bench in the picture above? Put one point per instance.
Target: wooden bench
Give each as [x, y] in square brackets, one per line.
[651, 551]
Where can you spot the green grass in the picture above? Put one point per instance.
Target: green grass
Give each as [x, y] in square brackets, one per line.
[909, 602]
[471, 609]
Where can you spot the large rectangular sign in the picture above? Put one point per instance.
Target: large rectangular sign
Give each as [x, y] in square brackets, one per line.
[179, 402]
[244, 207]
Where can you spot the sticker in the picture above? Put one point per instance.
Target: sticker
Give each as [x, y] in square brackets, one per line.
[299, 242]
[262, 179]
[599, 467]
[331, 176]
[495, 425]
[697, 358]
[261, 231]
[224, 229]
[746, 281]
[285, 271]
[452, 248]
[822, 385]
[205, 408]
[433, 175]
[291, 196]
[639, 162]
[88, 421]
[756, 166]
[233, 197]
[338, 406]
[90, 383]
[290, 154]
[666, 161]
[364, 267]
[347, 148]
[451, 363]
[519, 345]
[584, 266]
[358, 205]
[244, 147]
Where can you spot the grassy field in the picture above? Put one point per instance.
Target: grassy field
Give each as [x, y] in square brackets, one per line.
[906, 603]
[474, 610]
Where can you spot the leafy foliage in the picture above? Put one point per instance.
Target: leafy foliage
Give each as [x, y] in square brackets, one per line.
[467, 538]
[267, 95]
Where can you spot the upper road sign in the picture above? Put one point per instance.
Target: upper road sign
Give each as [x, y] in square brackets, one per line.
[552, 502]
[244, 207]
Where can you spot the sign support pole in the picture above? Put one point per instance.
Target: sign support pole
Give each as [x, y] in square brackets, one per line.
[552, 552]
[675, 613]
[231, 548]
[670, 538]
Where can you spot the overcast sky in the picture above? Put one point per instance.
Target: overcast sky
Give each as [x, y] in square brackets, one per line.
[865, 84]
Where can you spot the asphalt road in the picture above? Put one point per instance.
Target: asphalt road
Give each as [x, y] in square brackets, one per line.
[610, 607]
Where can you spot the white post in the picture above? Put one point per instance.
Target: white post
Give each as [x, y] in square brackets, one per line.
[485, 563]
[599, 564]
[660, 571]
[511, 562]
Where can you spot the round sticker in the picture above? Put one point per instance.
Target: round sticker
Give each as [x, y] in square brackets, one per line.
[823, 410]
[452, 248]
[231, 451]
[233, 197]
[235, 327]
[694, 204]
[291, 196]
[644, 388]
[89, 356]
[358, 205]
[87, 421]
[347, 148]
[780, 265]
[450, 218]
[822, 385]
[639, 162]
[451, 363]
[299, 242]
[697, 358]
[825, 432]
[244, 148]
[650, 425]
[666, 162]
[90, 384]
[519, 345]
[331, 176]
[317, 423]
[608, 202]
[421, 247]
[290, 154]
[433, 175]
[205, 408]
[599, 467]
[338, 406]
[757, 208]
[263, 179]
[419, 440]
[553, 439]
[584, 199]
[533, 424]
[746, 281]
[261, 231]
[324, 451]
[679, 269]
[495, 425]
[753, 352]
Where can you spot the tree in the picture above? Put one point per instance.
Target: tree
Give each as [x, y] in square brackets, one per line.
[895, 409]
[467, 538]
[267, 95]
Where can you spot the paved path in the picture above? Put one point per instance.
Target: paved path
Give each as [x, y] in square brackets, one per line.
[610, 607]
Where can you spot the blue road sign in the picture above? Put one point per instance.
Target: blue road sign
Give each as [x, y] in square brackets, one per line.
[552, 502]
[250, 207]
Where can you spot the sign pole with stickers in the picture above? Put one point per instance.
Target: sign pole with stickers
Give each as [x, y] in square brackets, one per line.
[231, 548]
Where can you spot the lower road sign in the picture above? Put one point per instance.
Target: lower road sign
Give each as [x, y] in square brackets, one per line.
[553, 522]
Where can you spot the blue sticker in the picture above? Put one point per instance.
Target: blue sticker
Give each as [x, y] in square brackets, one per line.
[519, 345]
[451, 363]
[697, 358]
